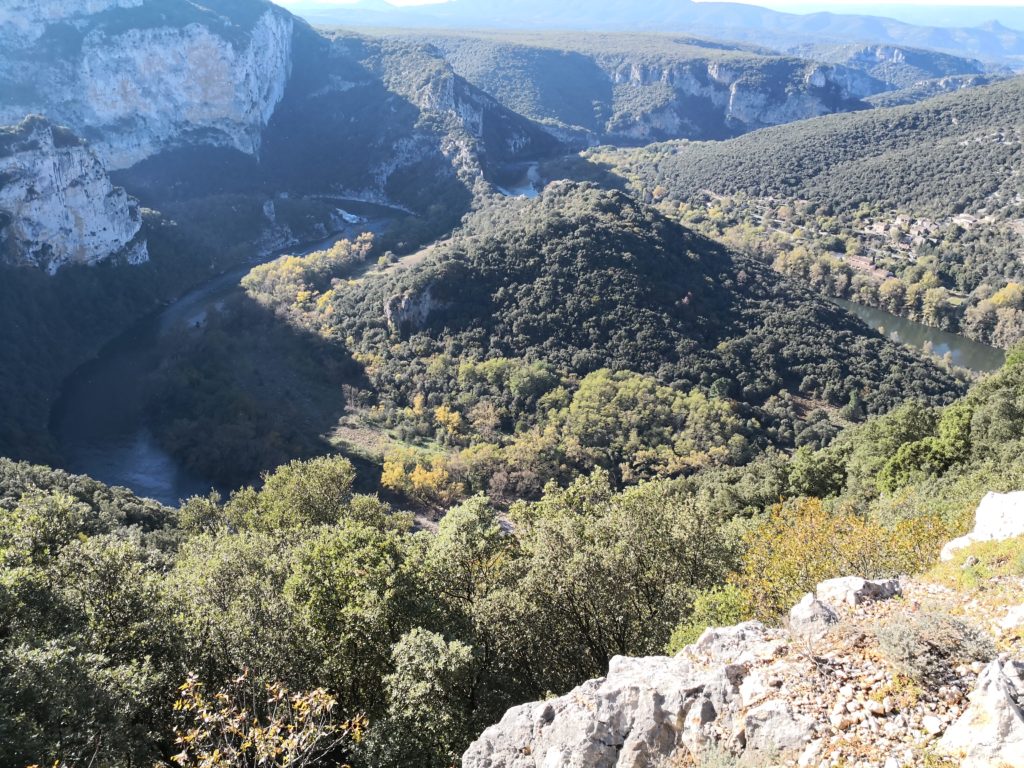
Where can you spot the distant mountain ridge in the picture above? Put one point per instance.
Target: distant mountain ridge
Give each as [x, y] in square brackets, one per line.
[991, 42]
[629, 88]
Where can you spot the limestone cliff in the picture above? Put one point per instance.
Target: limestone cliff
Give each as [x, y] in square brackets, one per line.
[711, 99]
[57, 205]
[139, 76]
[627, 89]
[896, 66]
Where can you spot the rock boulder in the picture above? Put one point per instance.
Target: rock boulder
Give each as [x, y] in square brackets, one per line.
[1000, 516]
[991, 731]
[853, 590]
[810, 618]
[648, 709]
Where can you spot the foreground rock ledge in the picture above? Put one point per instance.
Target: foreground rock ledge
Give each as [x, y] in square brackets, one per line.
[815, 694]
[645, 708]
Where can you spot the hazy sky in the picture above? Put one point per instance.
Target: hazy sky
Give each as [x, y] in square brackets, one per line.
[788, 4]
[824, 4]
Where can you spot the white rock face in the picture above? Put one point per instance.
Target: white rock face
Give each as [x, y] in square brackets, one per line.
[1000, 516]
[743, 102]
[991, 731]
[57, 204]
[811, 618]
[25, 21]
[137, 90]
[409, 311]
[648, 709]
[853, 590]
[765, 698]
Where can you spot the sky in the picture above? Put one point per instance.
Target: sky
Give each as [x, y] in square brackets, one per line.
[868, 4]
[783, 4]
[950, 13]
[346, 2]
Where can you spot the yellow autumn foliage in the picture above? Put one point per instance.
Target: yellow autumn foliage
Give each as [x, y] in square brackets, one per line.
[801, 543]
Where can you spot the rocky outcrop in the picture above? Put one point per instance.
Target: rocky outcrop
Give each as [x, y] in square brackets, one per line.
[777, 697]
[711, 99]
[139, 76]
[853, 590]
[991, 731]
[57, 205]
[1000, 516]
[409, 311]
[810, 618]
[25, 21]
[646, 708]
[894, 65]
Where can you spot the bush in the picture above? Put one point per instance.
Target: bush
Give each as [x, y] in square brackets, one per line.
[243, 726]
[987, 560]
[718, 607]
[924, 647]
[802, 543]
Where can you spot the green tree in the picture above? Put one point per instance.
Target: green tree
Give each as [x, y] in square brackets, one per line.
[613, 573]
[430, 698]
[298, 494]
[354, 596]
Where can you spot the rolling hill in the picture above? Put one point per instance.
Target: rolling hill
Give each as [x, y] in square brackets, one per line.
[508, 351]
[928, 196]
[733, 21]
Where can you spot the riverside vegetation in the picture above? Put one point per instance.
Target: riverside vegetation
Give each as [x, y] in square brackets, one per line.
[910, 209]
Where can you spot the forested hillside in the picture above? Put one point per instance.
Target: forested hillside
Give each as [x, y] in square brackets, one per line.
[549, 336]
[952, 154]
[132, 632]
[916, 208]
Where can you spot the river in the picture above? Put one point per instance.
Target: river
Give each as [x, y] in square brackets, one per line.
[964, 352]
[99, 420]
[528, 184]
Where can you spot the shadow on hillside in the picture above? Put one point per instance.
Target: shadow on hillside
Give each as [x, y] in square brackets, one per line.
[244, 391]
[579, 168]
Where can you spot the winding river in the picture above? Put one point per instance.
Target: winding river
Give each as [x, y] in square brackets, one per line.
[528, 184]
[99, 420]
[964, 352]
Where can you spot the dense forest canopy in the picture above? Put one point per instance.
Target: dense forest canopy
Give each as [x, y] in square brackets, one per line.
[580, 329]
[404, 644]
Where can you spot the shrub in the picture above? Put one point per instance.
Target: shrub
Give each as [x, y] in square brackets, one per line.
[990, 559]
[244, 726]
[923, 647]
[717, 607]
[801, 543]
